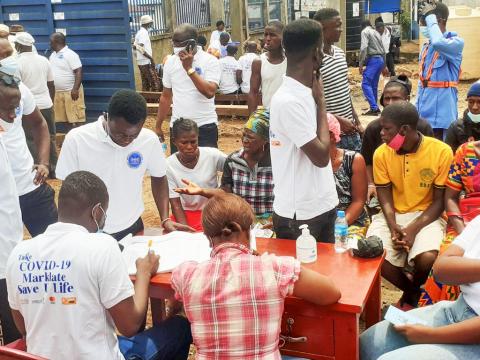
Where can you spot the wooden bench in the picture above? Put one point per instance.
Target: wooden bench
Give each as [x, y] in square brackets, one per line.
[154, 97]
[222, 110]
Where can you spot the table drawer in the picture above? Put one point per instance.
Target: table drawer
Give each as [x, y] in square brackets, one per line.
[318, 331]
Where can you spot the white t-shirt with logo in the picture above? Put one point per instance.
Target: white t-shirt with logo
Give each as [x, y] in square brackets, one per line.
[468, 241]
[204, 174]
[122, 169]
[228, 79]
[63, 282]
[188, 102]
[15, 141]
[63, 63]
[245, 64]
[301, 188]
[35, 71]
[11, 232]
[142, 37]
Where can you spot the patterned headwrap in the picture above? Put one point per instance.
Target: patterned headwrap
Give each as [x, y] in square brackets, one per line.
[259, 123]
[334, 126]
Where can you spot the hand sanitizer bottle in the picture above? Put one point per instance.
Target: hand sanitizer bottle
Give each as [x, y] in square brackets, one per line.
[306, 246]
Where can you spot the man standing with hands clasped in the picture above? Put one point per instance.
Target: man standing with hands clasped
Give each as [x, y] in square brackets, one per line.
[304, 190]
[190, 79]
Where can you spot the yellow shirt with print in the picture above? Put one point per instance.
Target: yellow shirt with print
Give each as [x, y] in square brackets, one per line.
[412, 176]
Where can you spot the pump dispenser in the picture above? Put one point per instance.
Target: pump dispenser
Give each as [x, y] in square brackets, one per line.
[306, 246]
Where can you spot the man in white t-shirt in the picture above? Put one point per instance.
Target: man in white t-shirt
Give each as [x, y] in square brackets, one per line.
[244, 71]
[69, 101]
[69, 287]
[120, 151]
[304, 190]
[36, 73]
[11, 228]
[229, 66]
[145, 62]
[190, 80]
[215, 37]
[37, 198]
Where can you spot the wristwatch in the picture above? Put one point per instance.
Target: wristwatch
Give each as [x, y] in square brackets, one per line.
[191, 71]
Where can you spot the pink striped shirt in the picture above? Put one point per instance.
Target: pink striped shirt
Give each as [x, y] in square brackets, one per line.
[235, 300]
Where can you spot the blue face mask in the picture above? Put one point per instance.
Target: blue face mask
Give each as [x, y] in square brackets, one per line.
[424, 31]
[474, 117]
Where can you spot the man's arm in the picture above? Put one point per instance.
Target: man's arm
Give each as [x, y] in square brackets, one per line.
[160, 195]
[19, 322]
[385, 198]
[51, 90]
[206, 88]
[78, 82]
[318, 149]
[238, 75]
[129, 314]
[36, 125]
[163, 110]
[255, 83]
[359, 190]
[451, 47]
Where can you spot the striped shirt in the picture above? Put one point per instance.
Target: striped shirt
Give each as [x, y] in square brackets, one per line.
[334, 71]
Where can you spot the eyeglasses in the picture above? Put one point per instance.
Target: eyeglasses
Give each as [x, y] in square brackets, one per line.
[9, 80]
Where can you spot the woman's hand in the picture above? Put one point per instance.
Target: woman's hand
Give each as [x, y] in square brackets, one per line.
[417, 334]
[191, 189]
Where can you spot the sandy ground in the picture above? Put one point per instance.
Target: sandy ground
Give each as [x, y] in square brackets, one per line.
[230, 134]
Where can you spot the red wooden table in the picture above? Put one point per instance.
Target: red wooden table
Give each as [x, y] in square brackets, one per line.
[331, 331]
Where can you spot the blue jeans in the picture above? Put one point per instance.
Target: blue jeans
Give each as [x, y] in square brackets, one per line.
[168, 341]
[383, 342]
[371, 75]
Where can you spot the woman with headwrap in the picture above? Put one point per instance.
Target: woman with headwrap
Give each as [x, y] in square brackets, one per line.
[350, 174]
[248, 171]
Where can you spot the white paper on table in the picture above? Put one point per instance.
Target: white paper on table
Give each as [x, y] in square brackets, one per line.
[174, 249]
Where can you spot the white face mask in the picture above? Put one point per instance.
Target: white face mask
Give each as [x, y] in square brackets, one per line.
[474, 117]
[177, 50]
[5, 126]
[424, 31]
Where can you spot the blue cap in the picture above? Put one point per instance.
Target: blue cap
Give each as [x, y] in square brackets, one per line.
[474, 90]
[341, 213]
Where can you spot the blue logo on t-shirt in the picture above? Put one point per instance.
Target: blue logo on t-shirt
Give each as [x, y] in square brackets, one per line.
[198, 70]
[134, 160]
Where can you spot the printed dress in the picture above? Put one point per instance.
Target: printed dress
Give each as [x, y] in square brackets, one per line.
[464, 176]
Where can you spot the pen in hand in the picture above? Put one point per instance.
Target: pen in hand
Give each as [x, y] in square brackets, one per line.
[150, 246]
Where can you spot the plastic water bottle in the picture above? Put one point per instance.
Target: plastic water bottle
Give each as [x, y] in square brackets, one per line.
[306, 246]
[341, 232]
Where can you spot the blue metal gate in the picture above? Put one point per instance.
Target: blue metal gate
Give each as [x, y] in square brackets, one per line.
[98, 30]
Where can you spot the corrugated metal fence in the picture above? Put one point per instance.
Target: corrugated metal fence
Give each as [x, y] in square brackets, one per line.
[95, 29]
[154, 8]
[195, 12]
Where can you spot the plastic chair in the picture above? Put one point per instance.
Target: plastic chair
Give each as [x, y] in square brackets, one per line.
[16, 351]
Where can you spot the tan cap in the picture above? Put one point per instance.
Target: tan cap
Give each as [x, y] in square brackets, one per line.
[146, 19]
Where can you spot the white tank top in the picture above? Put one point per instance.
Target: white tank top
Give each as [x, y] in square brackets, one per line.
[272, 78]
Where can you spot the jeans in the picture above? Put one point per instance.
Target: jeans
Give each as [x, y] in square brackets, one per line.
[8, 330]
[134, 229]
[371, 76]
[322, 227]
[207, 137]
[351, 142]
[383, 342]
[168, 341]
[39, 209]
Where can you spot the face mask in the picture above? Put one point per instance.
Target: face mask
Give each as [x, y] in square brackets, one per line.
[176, 50]
[397, 142]
[9, 65]
[104, 217]
[424, 31]
[150, 30]
[5, 126]
[474, 117]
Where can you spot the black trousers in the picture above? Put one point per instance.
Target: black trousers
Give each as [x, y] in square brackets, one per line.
[39, 209]
[321, 227]
[8, 330]
[134, 229]
[207, 137]
[390, 63]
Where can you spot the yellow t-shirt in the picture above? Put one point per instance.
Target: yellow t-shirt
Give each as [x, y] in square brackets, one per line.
[412, 175]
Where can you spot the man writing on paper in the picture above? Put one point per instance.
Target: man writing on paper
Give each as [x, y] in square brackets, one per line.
[72, 303]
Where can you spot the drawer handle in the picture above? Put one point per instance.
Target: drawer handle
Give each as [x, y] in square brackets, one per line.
[290, 339]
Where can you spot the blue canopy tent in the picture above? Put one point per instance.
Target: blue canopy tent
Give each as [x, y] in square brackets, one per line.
[381, 6]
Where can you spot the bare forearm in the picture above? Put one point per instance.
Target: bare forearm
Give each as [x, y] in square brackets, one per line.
[385, 198]
[163, 109]
[140, 299]
[177, 211]
[370, 174]
[160, 195]
[51, 90]
[431, 214]
[78, 79]
[354, 211]
[37, 126]
[205, 87]
[465, 332]
[252, 101]
[456, 270]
